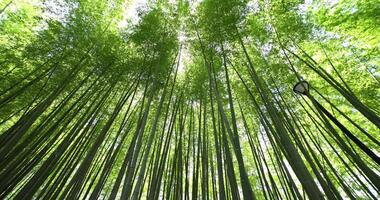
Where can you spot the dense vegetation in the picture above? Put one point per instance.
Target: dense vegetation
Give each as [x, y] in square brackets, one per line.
[189, 99]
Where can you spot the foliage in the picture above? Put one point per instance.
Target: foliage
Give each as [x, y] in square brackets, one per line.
[189, 99]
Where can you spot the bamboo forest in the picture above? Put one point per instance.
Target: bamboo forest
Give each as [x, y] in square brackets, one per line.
[190, 99]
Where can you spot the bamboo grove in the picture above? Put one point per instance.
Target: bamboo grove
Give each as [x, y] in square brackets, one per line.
[189, 99]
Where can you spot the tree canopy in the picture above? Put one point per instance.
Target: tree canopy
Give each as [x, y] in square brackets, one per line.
[189, 99]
